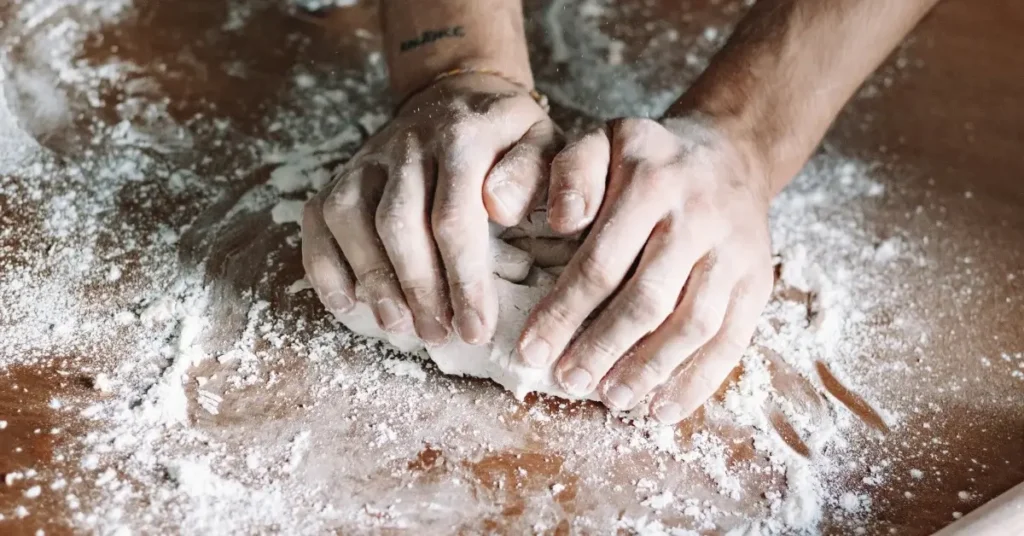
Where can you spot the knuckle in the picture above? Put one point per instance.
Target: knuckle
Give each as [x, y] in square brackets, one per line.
[317, 267]
[569, 171]
[654, 177]
[319, 270]
[544, 135]
[376, 279]
[604, 351]
[558, 316]
[596, 273]
[458, 134]
[522, 164]
[392, 220]
[566, 160]
[702, 374]
[634, 125]
[422, 293]
[649, 303]
[448, 225]
[655, 370]
[406, 142]
[344, 199]
[580, 155]
[635, 133]
[702, 324]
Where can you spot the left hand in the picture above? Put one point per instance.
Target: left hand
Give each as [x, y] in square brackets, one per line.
[686, 204]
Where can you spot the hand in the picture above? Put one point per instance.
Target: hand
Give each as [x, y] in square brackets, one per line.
[687, 205]
[411, 208]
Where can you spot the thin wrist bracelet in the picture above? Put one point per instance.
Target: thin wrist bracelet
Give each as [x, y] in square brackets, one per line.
[540, 98]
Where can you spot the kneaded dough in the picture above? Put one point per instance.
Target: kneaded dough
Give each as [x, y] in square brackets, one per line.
[520, 284]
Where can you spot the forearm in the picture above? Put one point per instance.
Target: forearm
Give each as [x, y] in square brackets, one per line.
[789, 68]
[423, 39]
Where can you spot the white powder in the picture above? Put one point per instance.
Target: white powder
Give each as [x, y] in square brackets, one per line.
[849, 502]
[253, 443]
[660, 500]
[404, 367]
[102, 383]
[287, 211]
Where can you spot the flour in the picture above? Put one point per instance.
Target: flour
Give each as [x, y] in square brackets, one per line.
[218, 408]
[287, 211]
[400, 367]
[659, 501]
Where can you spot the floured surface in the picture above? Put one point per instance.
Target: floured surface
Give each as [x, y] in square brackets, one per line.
[165, 368]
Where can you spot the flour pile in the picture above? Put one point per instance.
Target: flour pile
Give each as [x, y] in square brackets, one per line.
[161, 337]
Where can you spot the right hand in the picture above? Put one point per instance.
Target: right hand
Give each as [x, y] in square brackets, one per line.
[407, 217]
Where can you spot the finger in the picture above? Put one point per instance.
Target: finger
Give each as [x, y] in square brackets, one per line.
[695, 321]
[701, 377]
[325, 269]
[462, 232]
[349, 213]
[578, 177]
[592, 275]
[401, 223]
[643, 303]
[513, 184]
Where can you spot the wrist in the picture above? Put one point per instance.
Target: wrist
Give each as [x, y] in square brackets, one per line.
[731, 138]
[468, 81]
[422, 40]
[417, 76]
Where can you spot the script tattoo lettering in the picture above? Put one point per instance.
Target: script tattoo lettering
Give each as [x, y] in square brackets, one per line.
[430, 36]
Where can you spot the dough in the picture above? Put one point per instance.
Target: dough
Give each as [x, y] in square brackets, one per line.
[521, 283]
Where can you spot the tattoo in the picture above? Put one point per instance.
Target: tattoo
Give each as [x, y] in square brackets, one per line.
[430, 36]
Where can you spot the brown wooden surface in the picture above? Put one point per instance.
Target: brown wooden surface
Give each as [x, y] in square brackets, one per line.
[954, 123]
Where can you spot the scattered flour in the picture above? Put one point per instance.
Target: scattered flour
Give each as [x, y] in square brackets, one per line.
[405, 367]
[287, 211]
[214, 409]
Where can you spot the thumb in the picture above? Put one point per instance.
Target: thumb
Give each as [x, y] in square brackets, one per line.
[515, 182]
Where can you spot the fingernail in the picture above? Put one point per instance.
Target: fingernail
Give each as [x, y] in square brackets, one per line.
[571, 207]
[668, 413]
[536, 352]
[470, 327]
[577, 381]
[619, 396]
[391, 317]
[338, 302]
[433, 332]
[508, 194]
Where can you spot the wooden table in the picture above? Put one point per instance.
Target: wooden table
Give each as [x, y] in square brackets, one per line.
[948, 129]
